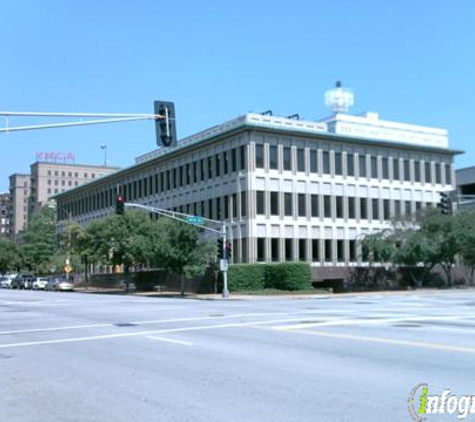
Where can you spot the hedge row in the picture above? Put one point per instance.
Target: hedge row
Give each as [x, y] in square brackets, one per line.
[282, 276]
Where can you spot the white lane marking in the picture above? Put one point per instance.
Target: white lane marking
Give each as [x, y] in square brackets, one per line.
[170, 340]
[158, 321]
[437, 346]
[145, 333]
[362, 321]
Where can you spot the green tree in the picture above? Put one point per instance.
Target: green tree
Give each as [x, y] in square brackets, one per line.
[39, 239]
[120, 240]
[465, 232]
[178, 248]
[9, 256]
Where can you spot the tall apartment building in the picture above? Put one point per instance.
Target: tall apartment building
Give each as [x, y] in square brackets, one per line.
[49, 179]
[19, 194]
[288, 190]
[29, 192]
[4, 215]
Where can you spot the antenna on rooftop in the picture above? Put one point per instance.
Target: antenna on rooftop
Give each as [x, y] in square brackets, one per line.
[339, 99]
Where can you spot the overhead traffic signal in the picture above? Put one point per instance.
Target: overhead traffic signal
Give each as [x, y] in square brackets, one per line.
[165, 127]
[445, 204]
[119, 205]
[229, 250]
[220, 251]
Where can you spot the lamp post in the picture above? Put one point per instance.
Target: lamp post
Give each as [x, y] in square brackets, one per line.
[104, 148]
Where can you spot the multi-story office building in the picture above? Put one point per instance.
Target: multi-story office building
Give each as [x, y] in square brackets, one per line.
[29, 192]
[4, 214]
[466, 189]
[287, 189]
[19, 194]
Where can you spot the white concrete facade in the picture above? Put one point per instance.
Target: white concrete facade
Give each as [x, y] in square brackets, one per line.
[286, 194]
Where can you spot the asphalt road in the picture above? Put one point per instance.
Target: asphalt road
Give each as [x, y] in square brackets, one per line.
[87, 357]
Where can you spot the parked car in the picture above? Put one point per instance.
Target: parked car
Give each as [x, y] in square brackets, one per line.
[6, 281]
[39, 283]
[59, 284]
[21, 282]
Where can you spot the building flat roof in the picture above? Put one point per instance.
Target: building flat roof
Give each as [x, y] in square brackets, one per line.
[258, 122]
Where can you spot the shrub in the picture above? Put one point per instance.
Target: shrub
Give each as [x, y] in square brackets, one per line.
[246, 277]
[288, 276]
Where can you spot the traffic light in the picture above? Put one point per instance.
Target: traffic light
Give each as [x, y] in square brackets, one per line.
[229, 250]
[165, 128]
[119, 205]
[445, 204]
[220, 252]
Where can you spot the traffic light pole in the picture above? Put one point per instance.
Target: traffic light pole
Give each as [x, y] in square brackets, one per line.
[183, 218]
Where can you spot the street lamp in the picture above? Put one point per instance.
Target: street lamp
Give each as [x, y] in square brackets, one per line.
[104, 148]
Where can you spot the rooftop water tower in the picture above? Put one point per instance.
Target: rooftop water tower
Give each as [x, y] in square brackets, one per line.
[339, 99]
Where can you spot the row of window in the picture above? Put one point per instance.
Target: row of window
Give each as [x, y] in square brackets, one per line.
[219, 208]
[330, 206]
[355, 165]
[63, 182]
[70, 174]
[321, 250]
[203, 169]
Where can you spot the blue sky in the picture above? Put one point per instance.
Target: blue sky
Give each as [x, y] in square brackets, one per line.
[410, 61]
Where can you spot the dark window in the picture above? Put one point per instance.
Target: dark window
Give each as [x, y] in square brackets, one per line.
[339, 207]
[363, 208]
[188, 175]
[233, 160]
[408, 208]
[234, 208]
[385, 166]
[260, 207]
[428, 178]
[302, 249]
[175, 179]
[287, 159]
[273, 162]
[375, 203]
[362, 165]
[288, 204]
[351, 207]
[352, 247]
[407, 171]
[340, 250]
[243, 157]
[326, 162]
[313, 161]
[274, 203]
[350, 169]
[315, 250]
[386, 210]
[218, 209]
[327, 206]
[396, 169]
[180, 176]
[217, 160]
[210, 167]
[448, 174]
[210, 209]
[438, 173]
[338, 164]
[226, 162]
[226, 207]
[328, 250]
[302, 205]
[300, 160]
[289, 249]
[397, 208]
[260, 156]
[202, 169]
[261, 249]
[243, 204]
[374, 167]
[274, 245]
[417, 171]
[314, 205]
[195, 172]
